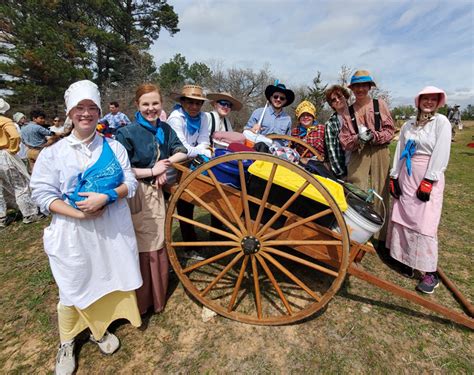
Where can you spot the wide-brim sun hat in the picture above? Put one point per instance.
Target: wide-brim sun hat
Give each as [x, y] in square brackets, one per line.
[362, 76]
[432, 90]
[191, 92]
[79, 91]
[215, 96]
[305, 107]
[4, 106]
[280, 87]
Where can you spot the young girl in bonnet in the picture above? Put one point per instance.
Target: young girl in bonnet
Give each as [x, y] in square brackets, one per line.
[82, 181]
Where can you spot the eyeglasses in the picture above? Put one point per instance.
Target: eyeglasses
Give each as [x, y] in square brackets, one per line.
[225, 103]
[55, 120]
[279, 97]
[336, 99]
[92, 110]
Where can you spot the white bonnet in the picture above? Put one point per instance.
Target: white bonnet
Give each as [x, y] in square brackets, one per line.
[4, 106]
[81, 90]
[18, 116]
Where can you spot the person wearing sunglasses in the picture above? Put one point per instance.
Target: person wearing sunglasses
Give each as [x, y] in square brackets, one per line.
[274, 120]
[223, 103]
[57, 128]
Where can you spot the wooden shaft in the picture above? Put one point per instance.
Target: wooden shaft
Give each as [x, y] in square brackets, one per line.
[283, 208]
[206, 227]
[243, 196]
[210, 260]
[459, 296]
[300, 260]
[274, 282]
[296, 224]
[230, 207]
[221, 274]
[258, 298]
[359, 272]
[205, 243]
[238, 283]
[301, 242]
[266, 193]
[296, 280]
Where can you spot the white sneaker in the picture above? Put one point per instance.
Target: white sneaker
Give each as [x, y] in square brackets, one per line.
[65, 360]
[33, 218]
[108, 344]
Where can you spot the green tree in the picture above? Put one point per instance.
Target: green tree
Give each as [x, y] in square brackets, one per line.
[468, 113]
[403, 112]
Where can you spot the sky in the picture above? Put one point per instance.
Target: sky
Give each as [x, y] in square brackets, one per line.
[406, 45]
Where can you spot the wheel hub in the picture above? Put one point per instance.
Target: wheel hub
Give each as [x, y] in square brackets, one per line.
[250, 245]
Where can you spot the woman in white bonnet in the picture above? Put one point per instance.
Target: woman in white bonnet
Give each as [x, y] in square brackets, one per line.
[82, 179]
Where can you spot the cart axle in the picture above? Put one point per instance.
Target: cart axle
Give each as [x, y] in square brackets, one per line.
[250, 245]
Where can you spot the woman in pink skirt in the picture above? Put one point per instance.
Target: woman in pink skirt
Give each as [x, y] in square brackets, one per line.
[417, 184]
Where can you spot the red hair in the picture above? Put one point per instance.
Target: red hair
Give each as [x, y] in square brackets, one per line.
[146, 88]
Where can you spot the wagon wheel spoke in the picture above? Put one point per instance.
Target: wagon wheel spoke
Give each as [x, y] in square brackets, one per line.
[304, 152]
[300, 260]
[214, 212]
[263, 202]
[238, 283]
[222, 273]
[283, 208]
[206, 227]
[258, 298]
[274, 282]
[302, 242]
[290, 275]
[226, 200]
[211, 259]
[243, 196]
[205, 243]
[296, 224]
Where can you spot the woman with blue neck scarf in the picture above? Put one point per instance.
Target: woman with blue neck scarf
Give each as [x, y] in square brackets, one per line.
[417, 184]
[152, 146]
[189, 122]
[308, 128]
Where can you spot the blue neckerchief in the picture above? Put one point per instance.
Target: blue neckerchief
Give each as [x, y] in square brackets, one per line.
[157, 131]
[303, 130]
[102, 177]
[408, 152]
[193, 124]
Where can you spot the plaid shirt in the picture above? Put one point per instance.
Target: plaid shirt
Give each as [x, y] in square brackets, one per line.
[314, 137]
[334, 151]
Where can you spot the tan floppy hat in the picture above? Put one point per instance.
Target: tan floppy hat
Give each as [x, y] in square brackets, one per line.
[191, 92]
[215, 96]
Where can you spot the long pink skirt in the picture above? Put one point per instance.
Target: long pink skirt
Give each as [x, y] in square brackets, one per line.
[412, 235]
[154, 267]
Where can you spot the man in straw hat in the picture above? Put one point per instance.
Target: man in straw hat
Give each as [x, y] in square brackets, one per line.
[272, 119]
[14, 178]
[223, 103]
[189, 123]
[367, 131]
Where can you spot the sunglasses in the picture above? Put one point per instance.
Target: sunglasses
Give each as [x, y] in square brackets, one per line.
[336, 98]
[279, 97]
[225, 103]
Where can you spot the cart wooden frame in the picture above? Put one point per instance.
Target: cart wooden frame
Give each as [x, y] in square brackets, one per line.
[255, 272]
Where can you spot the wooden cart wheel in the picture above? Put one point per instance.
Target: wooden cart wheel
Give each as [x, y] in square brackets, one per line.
[268, 265]
[293, 142]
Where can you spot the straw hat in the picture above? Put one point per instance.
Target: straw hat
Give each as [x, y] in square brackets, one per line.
[432, 90]
[4, 106]
[191, 92]
[215, 96]
[362, 76]
[305, 107]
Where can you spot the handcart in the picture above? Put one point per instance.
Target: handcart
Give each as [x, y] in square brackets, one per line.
[270, 254]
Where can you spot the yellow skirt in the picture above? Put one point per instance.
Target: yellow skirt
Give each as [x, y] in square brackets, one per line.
[98, 316]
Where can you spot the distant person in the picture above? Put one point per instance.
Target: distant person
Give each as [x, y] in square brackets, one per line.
[417, 184]
[115, 118]
[336, 97]
[367, 131]
[14, 178]
[83, 180]
[274, 119]
[152, 146]
[34, 135]
[223, 103]
[20, 120]
[308, 129]
[57, 127]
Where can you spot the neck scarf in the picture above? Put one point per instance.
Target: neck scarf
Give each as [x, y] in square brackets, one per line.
[407, 153]
[193, 124]
[303, 131]
[156, 130]
[423, 118]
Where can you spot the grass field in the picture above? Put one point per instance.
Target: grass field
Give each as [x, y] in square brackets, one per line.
[363, 329]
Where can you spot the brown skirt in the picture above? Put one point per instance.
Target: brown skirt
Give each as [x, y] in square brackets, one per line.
[154, 267]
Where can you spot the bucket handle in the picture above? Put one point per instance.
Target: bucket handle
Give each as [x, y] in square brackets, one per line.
[372, 191]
